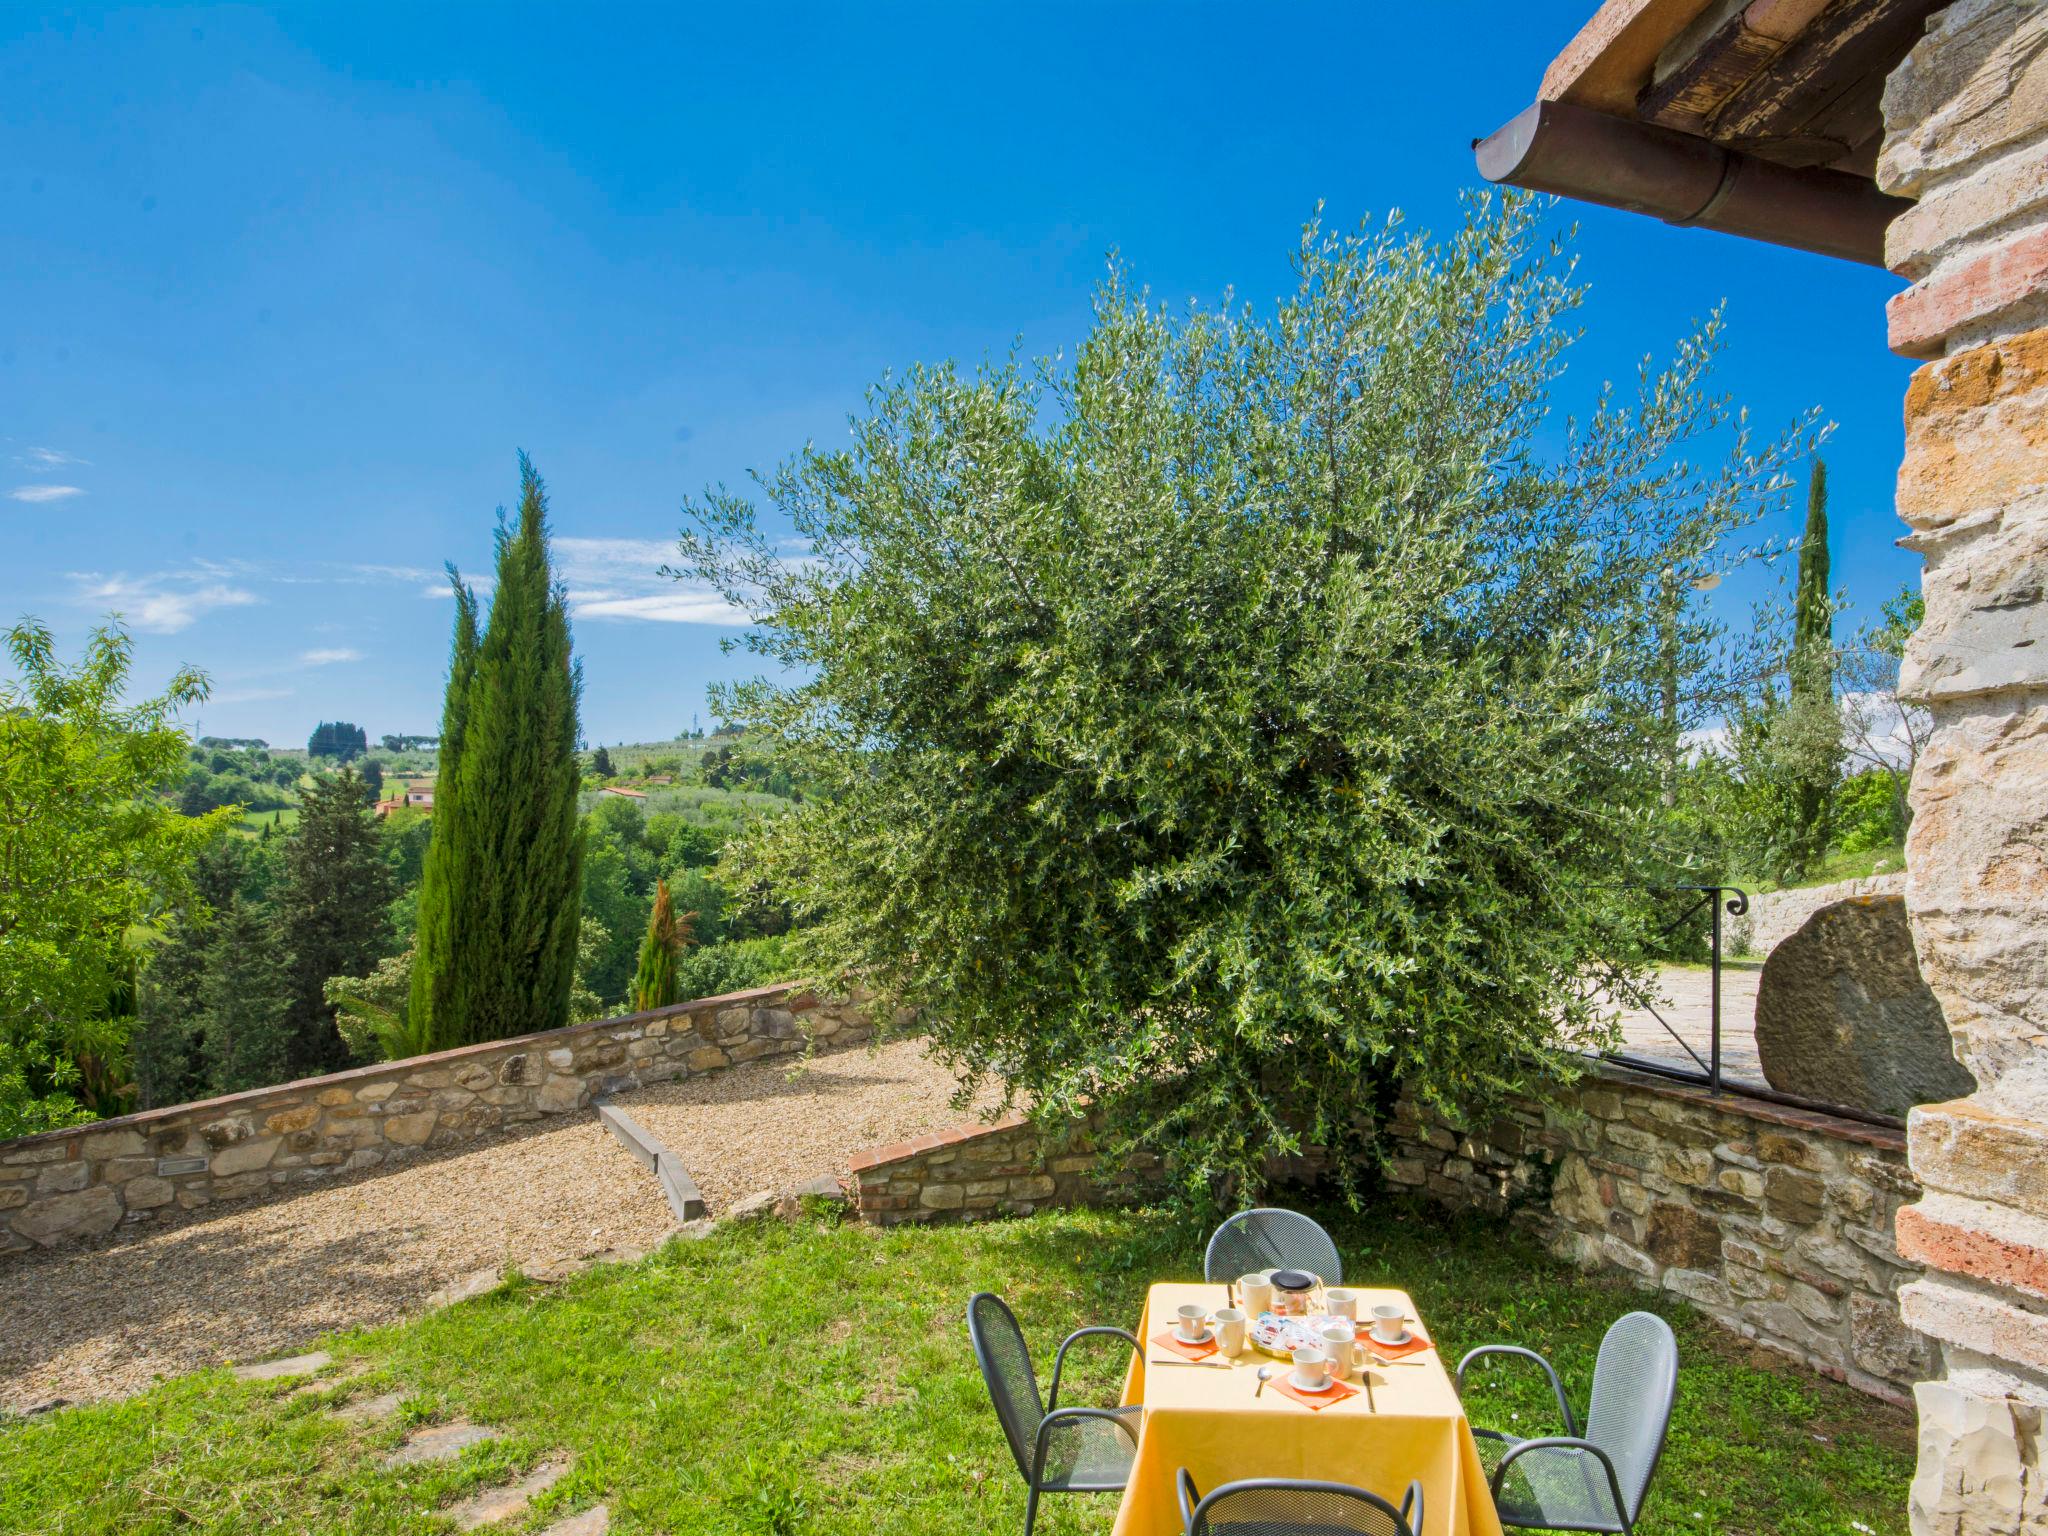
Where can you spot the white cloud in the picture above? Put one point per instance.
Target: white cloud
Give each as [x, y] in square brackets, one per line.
[390, 573]
[249, 695]
[43, 460]
[162, 603]
[682, 606]
[42, 493]
[327, 656]
[620, 579]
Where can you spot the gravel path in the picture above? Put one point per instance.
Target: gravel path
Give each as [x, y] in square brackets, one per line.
[102, 1321]
[771, 1125]
[94, 1322]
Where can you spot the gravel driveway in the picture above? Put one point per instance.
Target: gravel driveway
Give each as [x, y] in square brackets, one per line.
[256, 1278]
[771, 1125]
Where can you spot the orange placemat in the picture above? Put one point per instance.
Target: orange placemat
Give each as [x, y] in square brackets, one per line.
[1335, 1392]
[1184, 1349]
[1418, 1341]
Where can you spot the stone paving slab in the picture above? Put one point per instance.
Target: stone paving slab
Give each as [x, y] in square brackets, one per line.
[440, 1442]
[1686, 1004]
[495, 1505]
[277, 1370]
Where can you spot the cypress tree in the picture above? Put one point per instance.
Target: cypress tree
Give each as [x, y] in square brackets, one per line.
[1812, 615]
[245, 1002]
[332, 911]
[500, 896]
[654, 981]
[1815, 726]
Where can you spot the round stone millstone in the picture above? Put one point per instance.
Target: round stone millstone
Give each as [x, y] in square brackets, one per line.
[1843, 1017]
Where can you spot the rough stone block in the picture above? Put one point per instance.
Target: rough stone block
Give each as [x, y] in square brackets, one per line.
[146, 1193]
[1798, 1199]
[1973, 1321]
[1974, 85]
[560, 1094]
[61, 1178]
[297, 1118]
[244, 1156]
[410, 1130]
[97, 1146]
[1681, 1236]
[1976, 1464]
[941, 1197]
[85, 1212]
[1970, 1149]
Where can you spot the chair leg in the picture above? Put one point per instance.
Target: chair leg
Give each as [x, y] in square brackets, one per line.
[1030, 1509]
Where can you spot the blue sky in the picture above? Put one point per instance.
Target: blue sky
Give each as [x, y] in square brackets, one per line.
[285, 291]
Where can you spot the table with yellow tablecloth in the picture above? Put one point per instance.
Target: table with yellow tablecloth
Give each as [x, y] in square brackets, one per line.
[1206, 1418]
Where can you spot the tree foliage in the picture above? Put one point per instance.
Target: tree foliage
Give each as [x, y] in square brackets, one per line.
[332, 912]
[500, 898]
[654, 978]
[1245, 720]
[337, 739]
[87, 851]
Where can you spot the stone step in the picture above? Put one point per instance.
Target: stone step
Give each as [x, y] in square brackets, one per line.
[371, 1410]
[493, 1505]
[440, 1442]
[594, 1521]
[292, 1365]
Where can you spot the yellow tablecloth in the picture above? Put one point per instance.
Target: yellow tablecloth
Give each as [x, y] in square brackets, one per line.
[1207, 1420]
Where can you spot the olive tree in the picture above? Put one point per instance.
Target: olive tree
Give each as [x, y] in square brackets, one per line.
[1247, 719]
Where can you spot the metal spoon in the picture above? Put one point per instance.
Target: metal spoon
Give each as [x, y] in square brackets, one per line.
[1266, 1372]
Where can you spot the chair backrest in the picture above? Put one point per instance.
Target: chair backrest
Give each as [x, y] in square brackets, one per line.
[1270, 1238]
[1265, 1508]
[1634, 1382]
[1005, 1362]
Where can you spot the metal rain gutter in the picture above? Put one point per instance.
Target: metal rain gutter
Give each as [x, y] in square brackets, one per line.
[1681, 179]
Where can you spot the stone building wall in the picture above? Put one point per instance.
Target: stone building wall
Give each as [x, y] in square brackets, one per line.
[1966, 136]
[88, 1180]
[1774, 916]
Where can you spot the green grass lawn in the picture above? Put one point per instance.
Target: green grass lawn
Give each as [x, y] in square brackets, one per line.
[817, 1378]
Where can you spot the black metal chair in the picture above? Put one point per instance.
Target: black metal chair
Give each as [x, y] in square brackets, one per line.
[1595, 1480]
[1058, 1450]
[1270, 1238]
[1277, 1508]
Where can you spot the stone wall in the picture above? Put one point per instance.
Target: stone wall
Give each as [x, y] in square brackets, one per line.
[1775, 1221]
[1774, 916]
[975, 1172]
[86, 1181]
[1966, 136]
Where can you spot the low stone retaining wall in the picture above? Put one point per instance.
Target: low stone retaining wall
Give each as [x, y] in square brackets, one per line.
[974, 1172]
[89, 1179]
[1774, 916]
[1776, 1222]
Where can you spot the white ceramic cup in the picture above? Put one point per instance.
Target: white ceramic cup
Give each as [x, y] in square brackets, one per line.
[1311, 1369]
[1256, 1292]
[1339, 1340]
[1389, 1324]
[1342, 1303]
[1194, 1318]
[1230, 1326]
